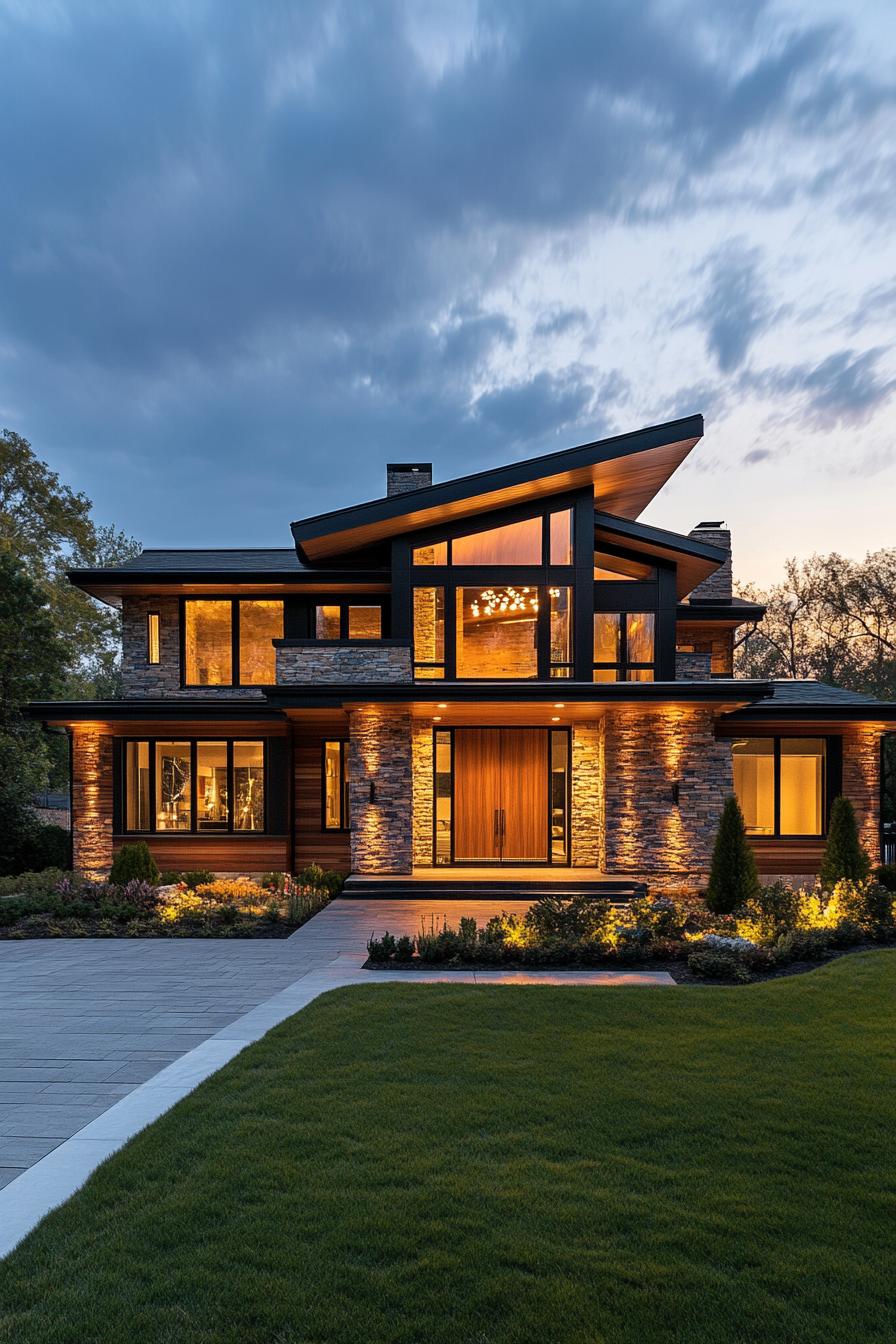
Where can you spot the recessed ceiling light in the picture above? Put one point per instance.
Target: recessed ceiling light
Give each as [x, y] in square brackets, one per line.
[559, 706]
[442, 705]
[555, 718]
[437, 718]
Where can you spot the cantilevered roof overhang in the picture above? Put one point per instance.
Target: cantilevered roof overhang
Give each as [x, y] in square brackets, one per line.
[694, 560]
[625, 471]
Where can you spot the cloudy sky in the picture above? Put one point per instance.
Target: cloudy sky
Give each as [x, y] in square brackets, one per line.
[250, 252]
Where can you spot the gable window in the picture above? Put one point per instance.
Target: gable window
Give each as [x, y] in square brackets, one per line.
[624, 646]
[781, 783]
[513, 544]
[544, 539]
[348, 620]
[195, 786]
[153, 639]
[336, 776]
[228, 641]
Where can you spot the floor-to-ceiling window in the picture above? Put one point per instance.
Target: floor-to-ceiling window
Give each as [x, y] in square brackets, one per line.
[781, 785]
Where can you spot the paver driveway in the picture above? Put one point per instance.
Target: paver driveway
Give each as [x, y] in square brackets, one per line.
[85, 1021]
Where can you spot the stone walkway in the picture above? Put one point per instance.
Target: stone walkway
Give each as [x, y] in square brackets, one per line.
[100, 1037]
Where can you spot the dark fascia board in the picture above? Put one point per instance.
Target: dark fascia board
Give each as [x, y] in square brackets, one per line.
[874, 711]
[350, 522]
[110, 585]
[734, 613]
[669, 692]
[110, 711]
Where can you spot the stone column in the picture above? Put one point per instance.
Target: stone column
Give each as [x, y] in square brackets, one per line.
[380, 755]
[587, 820]
[861, 782]
[91, 800]
[646, 752]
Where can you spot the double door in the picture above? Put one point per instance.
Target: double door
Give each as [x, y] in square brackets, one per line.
[501, 795]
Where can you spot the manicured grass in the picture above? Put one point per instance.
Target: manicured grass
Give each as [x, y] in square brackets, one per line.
[505, 1165]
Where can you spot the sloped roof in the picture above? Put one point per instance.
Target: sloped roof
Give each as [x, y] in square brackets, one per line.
[626, 472]
[695, 560]
[815, 699]
[266, 560]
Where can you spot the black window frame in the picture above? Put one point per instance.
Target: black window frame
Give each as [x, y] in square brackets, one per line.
[193, 743]
[343, 603]
[344, 803]
[623, 666]
[235, 683]
[831, 772]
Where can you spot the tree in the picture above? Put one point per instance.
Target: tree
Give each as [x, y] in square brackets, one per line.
[843, 853]
[733, 879]
[34, 660]
[832, 618]
[48, 528]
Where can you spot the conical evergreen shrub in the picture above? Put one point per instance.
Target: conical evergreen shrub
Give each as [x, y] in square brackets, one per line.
[134, 861]
[733, 878]
[843, 853]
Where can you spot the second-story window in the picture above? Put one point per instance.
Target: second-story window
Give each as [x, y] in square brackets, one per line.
[624, 645]
[153, 638]
[229, 641]
[348, 620]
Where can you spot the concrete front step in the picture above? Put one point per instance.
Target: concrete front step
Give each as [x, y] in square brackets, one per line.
[359, 888]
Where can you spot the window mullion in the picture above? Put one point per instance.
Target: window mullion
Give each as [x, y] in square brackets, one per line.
[235, 642]
[777, 777]
[151, 748]
[231, 785]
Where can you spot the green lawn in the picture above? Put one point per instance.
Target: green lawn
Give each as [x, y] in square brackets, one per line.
[444, 1164]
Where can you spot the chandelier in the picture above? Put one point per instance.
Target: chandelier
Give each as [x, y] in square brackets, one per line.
[507, 602]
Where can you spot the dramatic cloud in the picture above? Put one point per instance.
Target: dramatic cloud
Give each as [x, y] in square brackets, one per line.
[250, 244]
[736, 307]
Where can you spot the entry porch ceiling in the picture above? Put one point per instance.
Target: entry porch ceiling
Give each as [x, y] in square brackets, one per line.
[625, 471]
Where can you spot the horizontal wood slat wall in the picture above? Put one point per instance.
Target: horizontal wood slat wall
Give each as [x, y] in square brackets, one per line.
[220, 853]
[331, 849]
[782, 856]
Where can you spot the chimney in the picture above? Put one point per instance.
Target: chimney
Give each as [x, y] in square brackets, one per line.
[717, 588]
[402, 477]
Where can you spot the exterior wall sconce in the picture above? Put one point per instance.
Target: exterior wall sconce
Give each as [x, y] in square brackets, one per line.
[675, 791]
[373, 790]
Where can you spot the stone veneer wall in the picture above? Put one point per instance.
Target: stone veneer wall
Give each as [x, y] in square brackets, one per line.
[308, 662]
[162, 680]
[92, 800]
[692, 666]
[423, 762]
[380, 752]
[587, 819]
[645, 751]
[861, 781]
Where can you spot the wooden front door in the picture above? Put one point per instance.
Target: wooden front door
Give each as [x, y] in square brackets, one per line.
[500, 795]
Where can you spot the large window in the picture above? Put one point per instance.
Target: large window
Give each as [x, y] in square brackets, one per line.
[335, 799]
[348, 620]
[228, 641]
[194, 786]
[624, 645]
[498, 632]
[781, 783]
[544, 539]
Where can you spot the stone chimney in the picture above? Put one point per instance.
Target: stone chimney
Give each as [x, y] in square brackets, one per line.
[402, 477]
[717, 588]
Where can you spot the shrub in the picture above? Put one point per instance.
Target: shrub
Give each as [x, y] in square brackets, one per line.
[843, 853]
[381, 949]
[718, 964]
[772, 911]
[197, 877]
[404, 948]
[321, 879]
[170, 879]
[573, 918]
[660, 916]
[733, 879]
[31, 883]
[134, 861]
[803, 945]
[45, 847]
[886, 876]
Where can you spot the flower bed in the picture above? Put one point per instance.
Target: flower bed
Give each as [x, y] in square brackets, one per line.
[54, 904]
[780, 929]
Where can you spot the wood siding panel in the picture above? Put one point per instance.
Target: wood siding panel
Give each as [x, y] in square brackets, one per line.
[220, 853]
[331, 849]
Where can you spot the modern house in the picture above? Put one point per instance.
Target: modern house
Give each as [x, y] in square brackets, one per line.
[505, 676]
